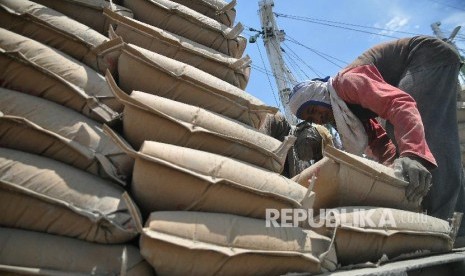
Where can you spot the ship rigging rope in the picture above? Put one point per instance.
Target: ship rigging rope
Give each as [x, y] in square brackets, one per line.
[268, 77]
[343, 25]
[322, 55]
[298, 72]
[327, 23]
[294, 64]
[319, 53]
[264, 71]
[301, 74]
[302, 61]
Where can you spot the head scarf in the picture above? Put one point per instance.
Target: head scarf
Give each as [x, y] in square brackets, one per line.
[304, 94]
[318, 92]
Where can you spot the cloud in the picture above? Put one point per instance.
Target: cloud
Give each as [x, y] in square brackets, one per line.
[395, 24]
[456, 19]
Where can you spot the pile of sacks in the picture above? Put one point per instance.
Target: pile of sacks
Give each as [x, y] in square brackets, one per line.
[363, 205]
[129, 144]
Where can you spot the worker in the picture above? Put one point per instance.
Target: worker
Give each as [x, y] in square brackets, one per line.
[307, 148]
[411, 84]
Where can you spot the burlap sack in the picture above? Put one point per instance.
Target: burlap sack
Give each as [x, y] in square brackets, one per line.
[88, 12]
[45, 195]
[143, 70]
[194, 243]
[365, 234]
[343, 179]
[52, 28]
[223, 12]
[49, 61]
[27, 252]
[42, 83]
[232, 70]
[168, 177]
[183, 21]
[149, 117]
[67, 123]
[16, 133]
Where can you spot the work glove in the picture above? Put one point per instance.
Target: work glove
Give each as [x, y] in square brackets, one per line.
[416, 174]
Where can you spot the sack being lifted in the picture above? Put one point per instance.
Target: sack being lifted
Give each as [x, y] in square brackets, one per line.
[344, 179]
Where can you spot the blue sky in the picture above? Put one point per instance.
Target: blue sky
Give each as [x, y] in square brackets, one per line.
[340, 45]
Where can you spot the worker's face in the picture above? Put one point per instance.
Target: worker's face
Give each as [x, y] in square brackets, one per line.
[318, 114]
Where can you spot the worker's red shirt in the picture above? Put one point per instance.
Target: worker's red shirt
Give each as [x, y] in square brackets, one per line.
[364, 86]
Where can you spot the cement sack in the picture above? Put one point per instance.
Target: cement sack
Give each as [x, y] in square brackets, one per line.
[194, 180]
[16, 133]
[194, 243]
[344, 179]
[42, 83]
[365, 234]
[54, 29]
[41, 194]
[183, 21]
[69, 124]
[221, 11]
[149, 117]
[143, 70]
[460, 112]
[48, 61]
[27, 252]
[232, 70]
[88, 12]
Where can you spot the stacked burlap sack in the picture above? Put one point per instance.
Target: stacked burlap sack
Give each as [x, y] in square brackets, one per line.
[63, 182]
[362, 205]
[188, 142]
[129, 146]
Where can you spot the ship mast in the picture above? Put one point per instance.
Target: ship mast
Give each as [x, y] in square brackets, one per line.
[272, 38]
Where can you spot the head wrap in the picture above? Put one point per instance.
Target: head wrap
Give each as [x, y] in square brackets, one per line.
[314, 92]
[321, 92]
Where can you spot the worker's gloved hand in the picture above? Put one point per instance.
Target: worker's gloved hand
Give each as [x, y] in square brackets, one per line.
[416, 174]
